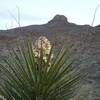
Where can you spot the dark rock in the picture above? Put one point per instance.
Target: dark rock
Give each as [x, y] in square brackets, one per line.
[58, 20]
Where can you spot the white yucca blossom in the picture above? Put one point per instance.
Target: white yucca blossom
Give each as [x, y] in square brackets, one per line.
[44, 44]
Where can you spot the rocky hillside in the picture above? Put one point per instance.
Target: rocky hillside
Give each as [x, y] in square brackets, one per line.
[84, 38]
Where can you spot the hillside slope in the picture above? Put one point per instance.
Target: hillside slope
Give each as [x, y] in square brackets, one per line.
[84, 38]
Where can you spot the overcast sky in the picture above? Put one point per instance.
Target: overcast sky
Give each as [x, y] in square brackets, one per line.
[41, 11]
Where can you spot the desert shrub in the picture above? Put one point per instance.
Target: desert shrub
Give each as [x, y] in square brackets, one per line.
[27, 78]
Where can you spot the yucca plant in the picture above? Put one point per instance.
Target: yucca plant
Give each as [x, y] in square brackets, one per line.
[26, 78]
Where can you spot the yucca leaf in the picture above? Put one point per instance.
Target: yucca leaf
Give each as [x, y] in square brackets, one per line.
[28, 79]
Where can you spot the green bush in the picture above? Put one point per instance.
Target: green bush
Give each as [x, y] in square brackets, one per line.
[27, 79]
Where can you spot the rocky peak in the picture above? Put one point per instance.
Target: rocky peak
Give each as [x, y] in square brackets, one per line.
[58, 19]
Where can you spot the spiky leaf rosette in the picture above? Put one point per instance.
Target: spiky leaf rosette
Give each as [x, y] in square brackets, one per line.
[26, 79]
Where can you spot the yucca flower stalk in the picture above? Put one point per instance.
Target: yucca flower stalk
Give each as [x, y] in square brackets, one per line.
[42, 43]
[26, 79]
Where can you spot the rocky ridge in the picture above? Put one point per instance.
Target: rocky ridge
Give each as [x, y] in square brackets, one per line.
[84, 38]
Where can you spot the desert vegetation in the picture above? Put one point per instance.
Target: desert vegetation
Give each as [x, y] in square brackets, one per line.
[35, 72]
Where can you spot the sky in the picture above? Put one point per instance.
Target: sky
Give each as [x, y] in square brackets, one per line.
[32, 12]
